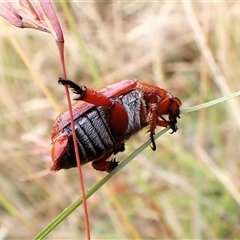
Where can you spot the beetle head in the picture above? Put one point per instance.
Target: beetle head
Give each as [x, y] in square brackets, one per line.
[174, 113]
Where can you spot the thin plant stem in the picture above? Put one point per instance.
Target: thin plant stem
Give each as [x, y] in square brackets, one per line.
[82, 188]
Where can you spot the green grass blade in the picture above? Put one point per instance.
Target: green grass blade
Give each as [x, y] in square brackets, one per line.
[91, 191]
[211, 103]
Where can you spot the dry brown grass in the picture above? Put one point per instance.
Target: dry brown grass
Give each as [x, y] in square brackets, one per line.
[189, 187]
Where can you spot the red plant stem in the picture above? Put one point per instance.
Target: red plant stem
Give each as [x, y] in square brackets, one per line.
[60, 45]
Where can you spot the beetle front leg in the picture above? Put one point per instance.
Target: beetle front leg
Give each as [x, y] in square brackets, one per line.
[161, 123]
[154, 122]
[153, 119]
[164, 123]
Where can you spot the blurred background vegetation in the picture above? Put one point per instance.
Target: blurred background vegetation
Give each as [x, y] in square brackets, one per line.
[189, 187]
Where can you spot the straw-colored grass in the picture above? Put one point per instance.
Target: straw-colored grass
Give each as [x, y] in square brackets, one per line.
[189, 187]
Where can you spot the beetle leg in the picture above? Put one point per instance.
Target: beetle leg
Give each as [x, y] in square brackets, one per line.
[103, 165]
[164, 123]
[86, 94]
[75, 87]
[118, 121]
[113, 164]
[153, 142]
[120, 148]
[153, 119]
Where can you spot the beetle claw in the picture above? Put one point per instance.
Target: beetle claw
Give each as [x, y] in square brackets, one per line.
[75, 87]
[153, 146]
[173, 126]
[81, 93]
[113, 164]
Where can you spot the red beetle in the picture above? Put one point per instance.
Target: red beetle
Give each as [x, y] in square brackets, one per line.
[106, 118]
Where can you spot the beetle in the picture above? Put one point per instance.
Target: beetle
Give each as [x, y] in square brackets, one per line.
[106, 118]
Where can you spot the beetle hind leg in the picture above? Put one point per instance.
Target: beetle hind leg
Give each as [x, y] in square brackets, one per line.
[105, 166]
[75, 87]
[113, 164]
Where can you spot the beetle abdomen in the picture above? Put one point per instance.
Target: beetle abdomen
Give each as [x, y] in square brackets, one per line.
[94, 137]
[94, 134]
